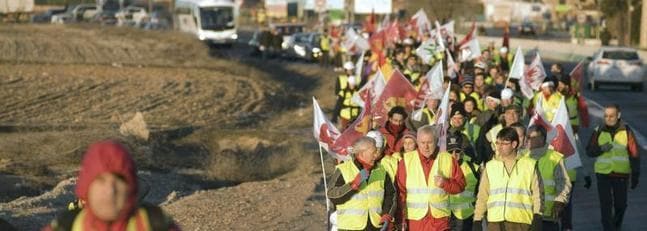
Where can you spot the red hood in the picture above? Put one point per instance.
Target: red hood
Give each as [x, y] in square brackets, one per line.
[108, 156]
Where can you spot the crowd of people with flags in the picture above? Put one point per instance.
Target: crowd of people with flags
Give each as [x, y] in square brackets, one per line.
[423, 142]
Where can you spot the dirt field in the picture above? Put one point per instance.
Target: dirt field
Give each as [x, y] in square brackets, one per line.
[230, 135]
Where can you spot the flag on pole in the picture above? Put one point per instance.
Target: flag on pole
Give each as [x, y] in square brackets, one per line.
[371, 91]
[356, 130]
[397, 92]
[577, 75]
[446, 30]
[354, 41]
[324, 131]
[469, 36]
[469, 51]
[420, 22]
[564, 140]
[442, 121]
[517, 68]
[431, 88]
[533, 77]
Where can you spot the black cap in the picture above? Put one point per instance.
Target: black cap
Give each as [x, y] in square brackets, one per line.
[454, 142]
[458, 108]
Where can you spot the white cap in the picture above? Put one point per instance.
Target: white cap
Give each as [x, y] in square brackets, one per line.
[349, 65]
[408, 41]
[548, 84]
[506, 94]
[503, 49]
[377, 136]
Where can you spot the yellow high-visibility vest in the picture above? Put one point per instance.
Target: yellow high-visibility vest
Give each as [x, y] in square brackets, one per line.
[547, 164]
[462, 205]
[617, 159]
[510, 198]
[571, 107]
[472, 131]
[390, 164]
[366, 203]
[549, 105]
[349, 109]
[423, 196]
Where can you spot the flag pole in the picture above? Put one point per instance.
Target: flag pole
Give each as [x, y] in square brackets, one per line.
[323, 170]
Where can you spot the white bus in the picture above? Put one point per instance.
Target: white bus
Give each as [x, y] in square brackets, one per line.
[212, 21]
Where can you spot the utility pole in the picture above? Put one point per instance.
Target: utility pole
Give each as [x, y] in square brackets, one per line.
[630, 10]
[643, 26]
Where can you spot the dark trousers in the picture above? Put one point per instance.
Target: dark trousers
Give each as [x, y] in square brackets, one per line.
[549, 226]
[612, 192]
[461, 225]
[507, 226]
[567, 214]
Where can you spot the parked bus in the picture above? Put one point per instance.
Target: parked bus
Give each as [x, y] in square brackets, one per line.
[212, 21]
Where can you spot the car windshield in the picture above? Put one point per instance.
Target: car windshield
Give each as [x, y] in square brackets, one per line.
[620, 55]
[217, 18]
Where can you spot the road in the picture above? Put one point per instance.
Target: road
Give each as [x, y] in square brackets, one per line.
[586, 213]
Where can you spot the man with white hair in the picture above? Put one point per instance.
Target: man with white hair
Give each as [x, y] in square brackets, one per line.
[347, 84]
[425, 179]
[362, 193]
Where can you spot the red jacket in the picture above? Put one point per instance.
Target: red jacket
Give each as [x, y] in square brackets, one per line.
[392, 138]
[454, 185]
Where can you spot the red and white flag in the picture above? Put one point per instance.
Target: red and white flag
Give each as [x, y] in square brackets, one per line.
[356, 130]
[397, 92]
[533, 77]
[452, 67]
[421, 22]
[469, 36]
[431, 88]
[446, 30]
[564, 140]
[354, 41]
[324, 131]
[371, 91]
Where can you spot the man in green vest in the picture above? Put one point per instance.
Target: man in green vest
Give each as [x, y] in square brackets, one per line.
[363, 194]
[510, 189]
[557, 185]
[462, 204]
[617, 161]
[467, 131]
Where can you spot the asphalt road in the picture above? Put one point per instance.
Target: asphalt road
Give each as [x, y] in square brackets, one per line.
[586, 213]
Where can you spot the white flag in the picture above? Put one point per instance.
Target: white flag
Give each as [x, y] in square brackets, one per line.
[432, 87]
[452, 68]
[442, 121]
[517, 68]
[375, 86]
[421, 21]
[470, 50]
[324, 131]
[533, 77]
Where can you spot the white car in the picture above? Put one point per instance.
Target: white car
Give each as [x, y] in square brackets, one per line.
[131, 16]
[615, 65]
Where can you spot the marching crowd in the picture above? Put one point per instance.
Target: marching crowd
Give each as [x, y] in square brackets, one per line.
[495, 166]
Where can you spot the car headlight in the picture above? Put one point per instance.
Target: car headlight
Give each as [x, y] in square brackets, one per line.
[234, 36]
[202, 37]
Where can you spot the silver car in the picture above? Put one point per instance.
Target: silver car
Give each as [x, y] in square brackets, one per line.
[615, 65]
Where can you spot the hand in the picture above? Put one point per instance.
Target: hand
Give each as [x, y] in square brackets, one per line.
[385, 219]
[477, 226]
[439, 181]
[587, 182]
[558, 207]
[634, 181]
[606, 147]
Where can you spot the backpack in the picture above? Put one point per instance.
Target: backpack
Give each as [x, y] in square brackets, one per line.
[158, 221]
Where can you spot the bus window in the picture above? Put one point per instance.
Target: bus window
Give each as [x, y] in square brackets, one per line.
[217, 18]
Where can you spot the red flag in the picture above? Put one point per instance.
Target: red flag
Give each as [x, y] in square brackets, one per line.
[397, 92]
[356, 130]
[377, 46]
[561, 143]
[369, 23]
[577, 75]
[391, 33]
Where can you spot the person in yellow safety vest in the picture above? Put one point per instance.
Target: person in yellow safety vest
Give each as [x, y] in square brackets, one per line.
[491, 74]
[503, 59]
[363, 194]
[425, 179]
[462, 204]
[480, 88]
[557, 185]
[406, 144]
[428, 116]
[549, 99]
[511, 115]
[617, 160]
[458, 127]
[412, 72]
[347, 85]
[471, 108]
[324, 45]
[468, 89]
[510, 189]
